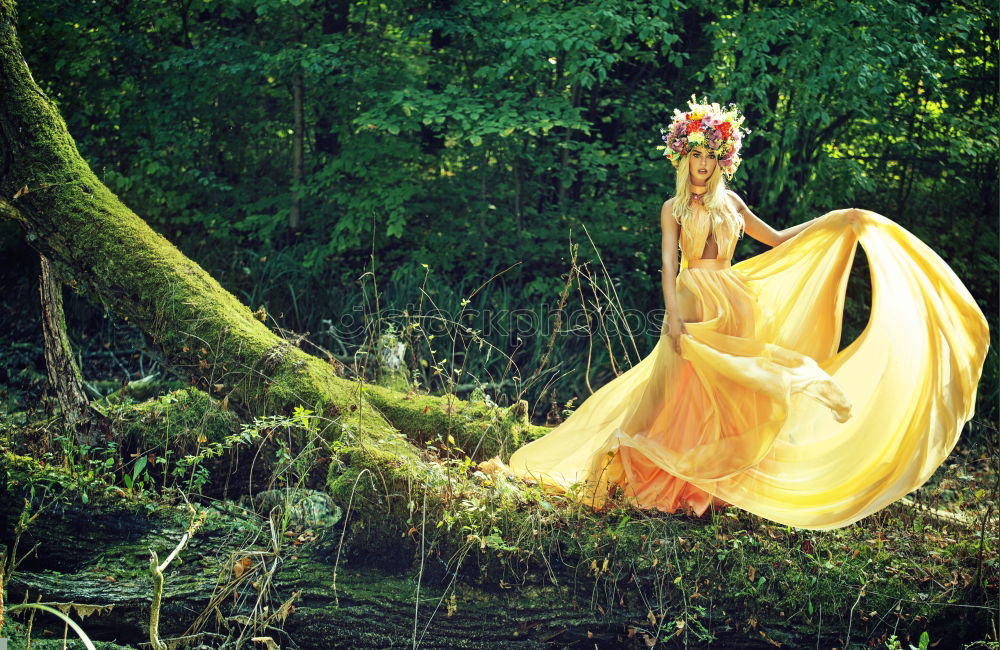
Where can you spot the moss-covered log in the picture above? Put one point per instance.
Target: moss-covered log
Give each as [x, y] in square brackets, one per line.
[507, 573]
[102, 248]
[98, 558]
[480, 429]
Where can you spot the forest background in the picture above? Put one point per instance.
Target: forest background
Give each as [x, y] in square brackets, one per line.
[328, 160]
[480, 182]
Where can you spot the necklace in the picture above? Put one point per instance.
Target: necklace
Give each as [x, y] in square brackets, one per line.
[699, 198]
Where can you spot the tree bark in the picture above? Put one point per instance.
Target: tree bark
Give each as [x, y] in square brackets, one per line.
[64, 375]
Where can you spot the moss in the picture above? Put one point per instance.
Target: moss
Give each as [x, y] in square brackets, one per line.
[481, 430]
[397, 380]
[176, 420]
[376, 610]
[17, 639]
[360, 482]
[106, 251]
[140, 390]
[101, 556]
[19, 471]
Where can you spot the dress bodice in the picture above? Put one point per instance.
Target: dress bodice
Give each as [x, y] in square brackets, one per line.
[696, 228]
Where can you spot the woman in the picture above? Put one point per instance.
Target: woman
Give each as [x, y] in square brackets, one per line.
[734, 403]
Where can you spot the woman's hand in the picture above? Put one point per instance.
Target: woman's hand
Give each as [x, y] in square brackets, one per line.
[676, 329]
[844, 218]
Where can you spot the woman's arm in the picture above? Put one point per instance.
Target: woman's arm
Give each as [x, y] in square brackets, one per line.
[762, 232]
[671, 232]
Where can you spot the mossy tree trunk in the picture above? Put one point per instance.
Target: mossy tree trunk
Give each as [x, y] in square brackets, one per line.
[64, 375]
[98, 246]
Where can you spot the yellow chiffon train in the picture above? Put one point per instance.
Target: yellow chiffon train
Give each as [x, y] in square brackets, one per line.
[760, 410]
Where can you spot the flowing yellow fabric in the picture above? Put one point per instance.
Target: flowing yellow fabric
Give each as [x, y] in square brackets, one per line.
[760, 410]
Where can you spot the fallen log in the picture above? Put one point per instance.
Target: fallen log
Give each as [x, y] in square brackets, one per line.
[512, 577]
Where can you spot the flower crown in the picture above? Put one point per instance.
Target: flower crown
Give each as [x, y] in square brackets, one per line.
[706, 125]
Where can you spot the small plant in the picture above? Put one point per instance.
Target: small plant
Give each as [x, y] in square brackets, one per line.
[893, 642]
[192, 465]
[136, 480]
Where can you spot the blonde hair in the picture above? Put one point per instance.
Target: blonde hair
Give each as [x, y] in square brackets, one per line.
[720, 211]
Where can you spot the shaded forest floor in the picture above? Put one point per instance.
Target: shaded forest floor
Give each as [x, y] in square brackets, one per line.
[725, 580]
[631, 578]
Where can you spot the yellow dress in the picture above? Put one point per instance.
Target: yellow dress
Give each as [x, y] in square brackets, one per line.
[760, 410]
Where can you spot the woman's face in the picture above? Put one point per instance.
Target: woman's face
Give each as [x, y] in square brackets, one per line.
[702, 165]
